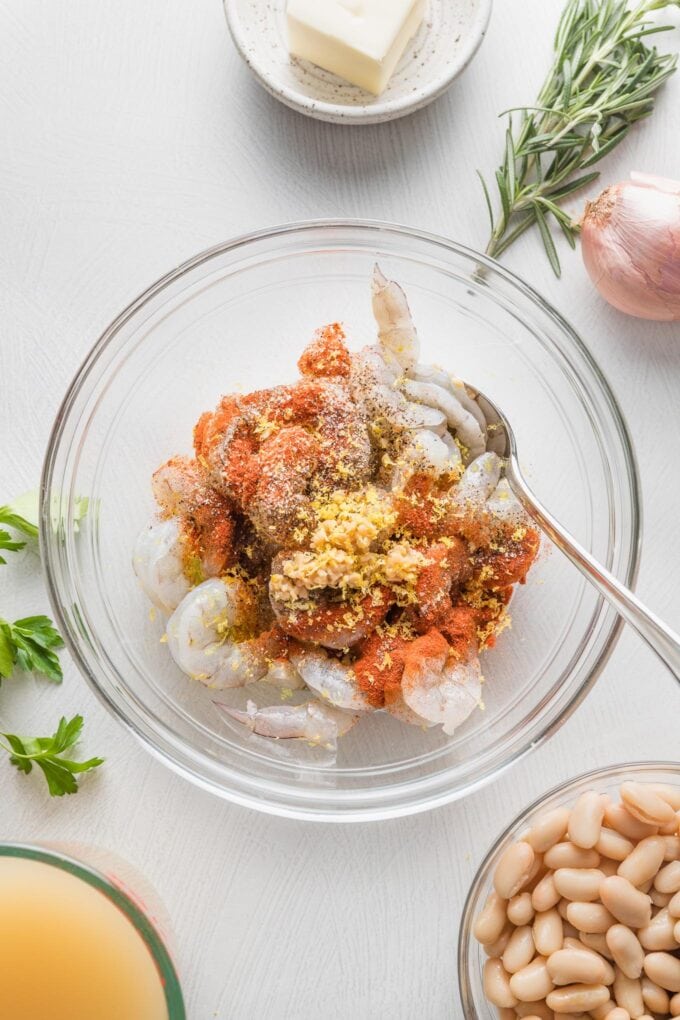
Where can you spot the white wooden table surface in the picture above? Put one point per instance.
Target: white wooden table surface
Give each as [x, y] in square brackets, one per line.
[131, 136]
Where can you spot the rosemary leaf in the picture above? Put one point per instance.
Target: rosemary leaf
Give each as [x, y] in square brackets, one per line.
[604, 79]
[548, 243]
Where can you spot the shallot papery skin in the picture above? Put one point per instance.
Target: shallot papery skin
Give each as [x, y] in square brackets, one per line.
[631, 246]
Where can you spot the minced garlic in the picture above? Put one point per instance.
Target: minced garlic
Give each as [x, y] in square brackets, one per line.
[403, 564]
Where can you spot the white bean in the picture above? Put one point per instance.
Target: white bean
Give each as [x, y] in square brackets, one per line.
[534, 1009]
[545, 895]
[496, 983]
[602, 1012]
[578, 883]
[646, 805]
[660, 899]
[626, 950]
[497, 948]
[628, 905]
[617, 817]
[659, 933]
[643, 863]
[671, 794]
[533, 982]
[592, 918]
[596, 942]
[613, 845]
[568, 855]
[520, 909]
[579, 947]
[548, 935]
[519, 950]
[513, 869]
[577, 966]
[547, 830]
[668, 879]
[585, 823]
[654, 997]
[674, 906]
[577, 998]
[628, 993]
[490, 923]
[664, 970]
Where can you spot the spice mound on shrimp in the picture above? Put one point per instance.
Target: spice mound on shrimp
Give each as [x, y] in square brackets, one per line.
[347, 540]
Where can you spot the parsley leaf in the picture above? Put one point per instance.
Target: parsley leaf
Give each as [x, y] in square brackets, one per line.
[10, 517]
[8, 543]
[30, 644]
[45, 752]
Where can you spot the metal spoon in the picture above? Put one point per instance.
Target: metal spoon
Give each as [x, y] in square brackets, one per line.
[659, 637]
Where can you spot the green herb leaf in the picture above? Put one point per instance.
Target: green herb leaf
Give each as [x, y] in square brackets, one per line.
[604, 79]
[30, 644]
[8, 543]
[45, 752]
[487, 197]
[10, 517]
[548, 242]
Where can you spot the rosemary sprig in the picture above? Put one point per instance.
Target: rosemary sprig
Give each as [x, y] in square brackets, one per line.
[603, 79]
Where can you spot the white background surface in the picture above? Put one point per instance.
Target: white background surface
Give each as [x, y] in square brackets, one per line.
[131, 136]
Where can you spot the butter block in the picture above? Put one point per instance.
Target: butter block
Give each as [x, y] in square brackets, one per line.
[359, 40]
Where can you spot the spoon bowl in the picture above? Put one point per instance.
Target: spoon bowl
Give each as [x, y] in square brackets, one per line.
[660, 638]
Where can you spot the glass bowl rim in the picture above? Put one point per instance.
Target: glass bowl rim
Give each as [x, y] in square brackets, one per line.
[472, 898]
[139, 920]
[430, 792]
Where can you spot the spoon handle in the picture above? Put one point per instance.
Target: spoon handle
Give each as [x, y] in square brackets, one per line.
[660, 638]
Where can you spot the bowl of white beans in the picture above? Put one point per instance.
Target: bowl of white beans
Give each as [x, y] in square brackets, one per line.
[575, 911]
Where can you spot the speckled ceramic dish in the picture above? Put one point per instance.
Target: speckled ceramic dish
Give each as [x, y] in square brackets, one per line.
[447, 40]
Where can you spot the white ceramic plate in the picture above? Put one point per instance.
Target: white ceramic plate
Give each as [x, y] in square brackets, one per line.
[447, 40]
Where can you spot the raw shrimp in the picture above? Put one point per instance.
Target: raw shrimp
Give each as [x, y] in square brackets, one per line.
[479, 481]
[459, 420]
[333, 624]
[426, 453]
[447, 568]
[437, 685]
[488, 515]
[310, 721]
[333, 680]
[433, 374]
[326, 357]
[206, 515]
[280, 505]
[158, 562]
[373, 386]
[264, 449]
[396, 331]
[210, 636]
[508, 562]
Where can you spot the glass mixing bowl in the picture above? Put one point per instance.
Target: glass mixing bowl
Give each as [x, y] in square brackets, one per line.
[471, 956]
[236, 318]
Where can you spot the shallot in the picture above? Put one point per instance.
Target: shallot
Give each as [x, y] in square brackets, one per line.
[631, 246]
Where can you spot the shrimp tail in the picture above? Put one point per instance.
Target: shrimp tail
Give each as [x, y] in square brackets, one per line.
[311, 721]
[396, 331]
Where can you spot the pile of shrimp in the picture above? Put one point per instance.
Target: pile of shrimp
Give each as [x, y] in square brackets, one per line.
[348, 536]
